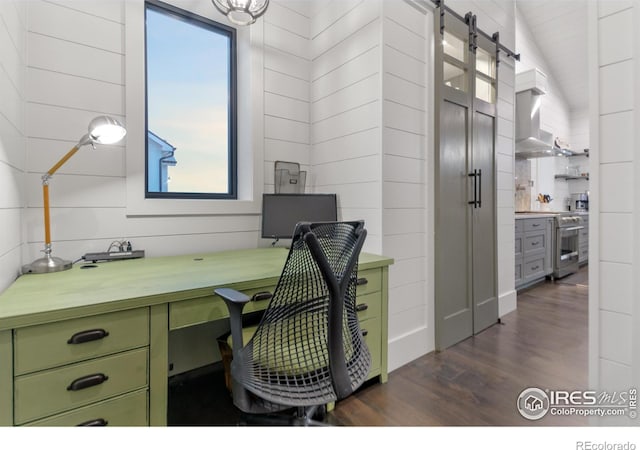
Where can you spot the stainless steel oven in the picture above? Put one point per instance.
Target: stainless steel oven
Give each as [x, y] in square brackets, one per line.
[567, 245]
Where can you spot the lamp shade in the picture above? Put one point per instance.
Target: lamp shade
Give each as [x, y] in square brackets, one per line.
[106, 130]
[241, 12]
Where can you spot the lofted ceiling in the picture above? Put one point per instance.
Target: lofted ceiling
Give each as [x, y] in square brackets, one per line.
[559, 28]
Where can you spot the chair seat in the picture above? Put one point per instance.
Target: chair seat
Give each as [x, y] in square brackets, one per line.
[283, 376]
[296, 355]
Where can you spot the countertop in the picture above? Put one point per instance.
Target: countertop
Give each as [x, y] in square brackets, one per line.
[544, 214]
[535, 215]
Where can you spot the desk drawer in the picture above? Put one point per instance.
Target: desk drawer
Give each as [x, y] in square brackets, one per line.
[45, 346]
[369, 306]
[129, 410]
[46, 393]
[370, 281]
[372, 336]
[206, 309]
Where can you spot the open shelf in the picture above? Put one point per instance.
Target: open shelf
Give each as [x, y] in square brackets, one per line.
[571, 177]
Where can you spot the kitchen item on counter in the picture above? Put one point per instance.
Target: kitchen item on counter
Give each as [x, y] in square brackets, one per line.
[544, 198]
[580, 201]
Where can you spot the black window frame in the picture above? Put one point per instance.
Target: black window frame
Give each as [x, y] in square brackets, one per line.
[230, 32]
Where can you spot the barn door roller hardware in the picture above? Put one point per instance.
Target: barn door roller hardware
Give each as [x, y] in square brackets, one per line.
[470, 17]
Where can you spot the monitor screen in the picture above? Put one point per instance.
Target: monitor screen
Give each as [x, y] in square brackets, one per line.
[281, 212]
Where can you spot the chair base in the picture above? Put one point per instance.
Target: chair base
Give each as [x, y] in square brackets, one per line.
[301, 417]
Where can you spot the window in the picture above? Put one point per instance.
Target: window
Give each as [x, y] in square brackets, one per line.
[485, 76]
[191, 137]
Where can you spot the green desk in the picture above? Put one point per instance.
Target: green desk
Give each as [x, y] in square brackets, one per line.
[90, 345]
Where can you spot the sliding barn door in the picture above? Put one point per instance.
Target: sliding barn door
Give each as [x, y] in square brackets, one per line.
[465, 241]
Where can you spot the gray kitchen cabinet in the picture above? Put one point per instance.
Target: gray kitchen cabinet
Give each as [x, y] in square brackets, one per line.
[533, 250]
[518, 249]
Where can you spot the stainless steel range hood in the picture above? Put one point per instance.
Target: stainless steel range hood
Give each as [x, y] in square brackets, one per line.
[531, 141]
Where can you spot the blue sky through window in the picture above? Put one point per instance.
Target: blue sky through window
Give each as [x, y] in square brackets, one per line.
[188, 100]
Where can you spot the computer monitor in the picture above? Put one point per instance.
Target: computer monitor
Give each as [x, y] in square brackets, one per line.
[281, 212]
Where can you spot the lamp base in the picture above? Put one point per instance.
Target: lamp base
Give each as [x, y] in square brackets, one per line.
[47, 264]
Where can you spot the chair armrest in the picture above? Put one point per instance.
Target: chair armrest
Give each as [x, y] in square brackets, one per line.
[232, 295]
[235, 302]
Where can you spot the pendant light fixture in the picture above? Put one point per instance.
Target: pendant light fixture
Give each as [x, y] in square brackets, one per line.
[241, 12]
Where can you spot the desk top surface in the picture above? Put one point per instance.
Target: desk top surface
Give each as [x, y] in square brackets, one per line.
[112, 286]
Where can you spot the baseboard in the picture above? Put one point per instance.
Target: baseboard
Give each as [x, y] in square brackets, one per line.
[410, 346]
[507, 302]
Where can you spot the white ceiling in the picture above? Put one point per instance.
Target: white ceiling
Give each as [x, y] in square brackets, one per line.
[559, 28]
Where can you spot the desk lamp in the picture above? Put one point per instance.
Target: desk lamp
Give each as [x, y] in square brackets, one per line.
[102, 130]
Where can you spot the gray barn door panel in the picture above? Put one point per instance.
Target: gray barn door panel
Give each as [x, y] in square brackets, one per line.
[454, 307]
[485, 301]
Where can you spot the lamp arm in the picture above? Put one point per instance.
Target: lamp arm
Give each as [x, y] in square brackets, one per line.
[86, 139]
[56, 166]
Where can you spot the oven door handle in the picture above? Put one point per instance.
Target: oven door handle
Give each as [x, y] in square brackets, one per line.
[572, 228]
[568, 256]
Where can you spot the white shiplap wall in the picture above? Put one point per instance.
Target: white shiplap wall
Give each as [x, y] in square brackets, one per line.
[345, 109]
[287, 66]
[13, 19]
[614, 327]
[407, 199]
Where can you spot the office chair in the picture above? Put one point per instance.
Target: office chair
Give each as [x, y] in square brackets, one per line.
[307, 350]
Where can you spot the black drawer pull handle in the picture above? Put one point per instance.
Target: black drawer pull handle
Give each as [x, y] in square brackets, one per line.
[535, 224]
[535, 243]
[535, 267]
[259, 296]
[88, 336]
[87, 381]
[362, 281]
[94, 423]
[362, 307]
[364, 332]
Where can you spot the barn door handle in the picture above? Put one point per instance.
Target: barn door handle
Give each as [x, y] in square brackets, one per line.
[474, 202]
[479, 188]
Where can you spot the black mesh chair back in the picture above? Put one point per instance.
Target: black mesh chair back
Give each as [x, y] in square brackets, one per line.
[308, 348]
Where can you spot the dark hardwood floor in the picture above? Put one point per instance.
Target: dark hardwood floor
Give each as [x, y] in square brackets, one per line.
[476, 382]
